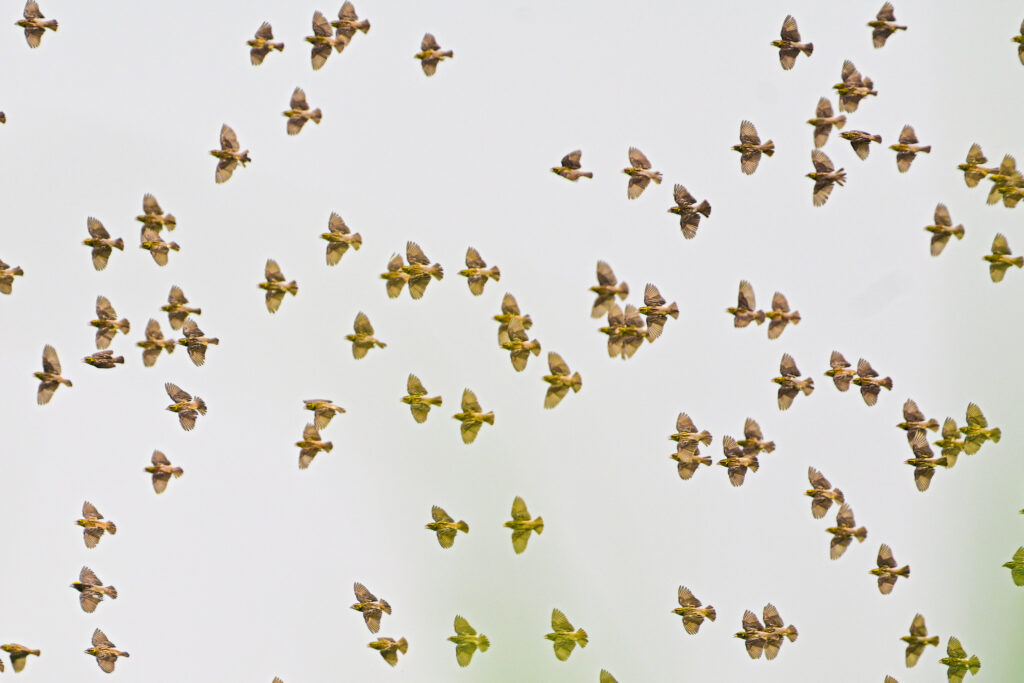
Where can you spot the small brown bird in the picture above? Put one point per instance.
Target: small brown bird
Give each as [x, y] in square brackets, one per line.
[104, 360]
[780, 316]
[520, 346]
[91, 590]
[822, 494]
[692, 613]
[395, 277]
[824, 120]
[339, 239]
[522, 525]
[687, 435]
[348, 23]
[94, 525]
[103, 650]
[626, 331]
[275, 286]
[389, 648]
[371, 608]
[918, 640]
[560, 381]
[1005, 176]
[606, 289]
[310, 445]
[50, 378]
[756, 638]
[570, 167]
[753, 441]
[640, 173]
[176, 309]
[34, 28]
[870, 385]
[472, 417]
[949, 443]
[154, 217]
[885, 25]
[972, 168]
[688, 460]
[825, 176]
[419, 270]
[789, 385]
[229, 155]
[298, 112]
[323, 411]
[509, 312]
[744, 312]
[774, 625]
[322, 40]
[915, 422]
[196, 342]
[790, 46]
[688, 210]
[861, 141]
[262, 43]
[445, 527]
[976, 432]
[107, 324]
[656, 311]
[431, 54]
[907, 149]
[737, 461]
[844, 532]
[7, 275]
[750, 147]
[101, 243]
[162, 471]
[853, 88]
[943, 229]
[839, 372]
[417, 400]
[187, 408]
[157, 248]
[999, 260]
[19, 653]
[363, 339]
[887, 572]
[924, 462]
[3, 119]
[477, 273]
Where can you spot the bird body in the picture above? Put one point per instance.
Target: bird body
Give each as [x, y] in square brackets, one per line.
[1016, 567]
[339, 239]
[229, 155]
[310, 445]
[154, 217]
[323, 41]
[187, 408]
[692, 613]
[101, 242]
[50, 377]
[743, 312]
[472, 417]
[348, 22]
[1000, 259]
[844, 532]
[789, 383]
[363, 339]
[467, 641]
[35, 25]
[91, 590]
[907, 149]
[780, 316]
[887, 571]
[564, 637]
[789, 44]
[162, 471]
[417, 400]
[821, 493]
[606, 289]
[917, 640]
[431, 54]
[824, 120]
[839, 372]
[976, 432]
[885, 25]
[640, 173]
[869, 382]
[751, 148]
[157, 247]
[371, 608]
[569, 167]
[323, 411]
[522, 525]
[262, 44]
[477, 273]
[825, 176]
[105, 360]
[176, 309]
[736, 461]
[688, 210]
[445, 527]
[19, 653]
[853, 87]
[93, 525]
[104, 651]
[560, 380]
[389, 648]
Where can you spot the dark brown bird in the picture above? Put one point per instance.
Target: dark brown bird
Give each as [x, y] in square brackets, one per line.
[688, 210]
[885, 25]
[870, 385]
[824, 120]
[750, 147]
[790, 46]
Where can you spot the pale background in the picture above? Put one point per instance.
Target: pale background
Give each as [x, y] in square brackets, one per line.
[243, 569]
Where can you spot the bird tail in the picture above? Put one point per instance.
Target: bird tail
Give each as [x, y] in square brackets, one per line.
[1019, 261]
[124, 325]
[276, 46]
[119, 359]
[119, 244]
[536, 348]
[807, 49]
[769, 447]
[840, 122]
[673, 310]
[357, 241]
[201, 406]
[623, 291]
[111, 528]
[495, 273]
[934, 640]
[437, 271]
[710, 612]
[112, 592]
[958, 231]
[753, 464]
[385, 607]
[926, 149]
[887, 383]
[435, 401]
[65, 382]
[706, 460]
[656, 177]
[795, 317]
[483, 643]
[769, 148]
[463, 527]
[403, 645]
[36, 652]
[576, 382]
[792, 633]
[293, 287]
[50, 24]
[905, 571]
[177, 472]
[861, 534]
[316, 115]
[174, 246]
[973, 664]
[539, 525]
[328, 447]
[995, 435]
[17, 271]
[489, 418]
[841, 177]
[582, 638]
[759, 316]
[586, 174]
[364, 26]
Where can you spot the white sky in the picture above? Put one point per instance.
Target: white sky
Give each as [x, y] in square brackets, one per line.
[242, 570]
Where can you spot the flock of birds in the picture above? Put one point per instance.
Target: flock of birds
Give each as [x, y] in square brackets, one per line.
[626, 331]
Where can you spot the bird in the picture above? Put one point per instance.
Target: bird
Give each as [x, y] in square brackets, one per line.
[262, 44]
[339, 239]
[625, 331]
[363, 339]
[825, 176]
[755, 637]
[477, 273]
[656, 311]
[431, 54]
[509, 312]
[153, 216]
[105, 360]
[162, 471]
[790, 46]
[821, 493]
[107, 325]
[395, 277]
[972, 168]
[7, 275]
[348, 23]
[560, 380]
[744, 312]
[917, 640]
[19, 653]
[323, 40]
[976, 432]
[774, 625]
[371, 608]
[824, 120]
[310, 445]
[50, 377]
[323, 411]
[870, 385]
[472, 417]
[737, 461]
[853, 87]
[228, 155]
[692, 613]
[569, 167]
[298, 112]
[520, 346]
[750, 147]
[93, 525]
[3, 119]
[445, 527]
[687, 436]
[957, 661]
[100, 241]
[176, 310]
[861, 141]
[885, 25]
[34, 28]
[467, 641]
[925, 462]
[688, 210]
[1006, 175]
[943, 229]
[565, 636]
[914, 421]
[999, 260]
[950, 445]
[275, 286]
[389, 648]
[1019, 39]
[522, 525]
[886, 571]
[753, 441]
[640, 173]
[606, 289]
[839, 372]
[844, 532]
[104, 651]
[780, 316]
[419, 270]
[1016, 567]
[688, 460]
[187, 408]
[606, 677]
[91, 590]
[157, 247]
[789, 385]
[907, 149]
[196, 342]
[417, 400]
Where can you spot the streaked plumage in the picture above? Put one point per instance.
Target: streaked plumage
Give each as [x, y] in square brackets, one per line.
[7, 275]
[104, 651]
[472, 416]
[339, 239]
[606, 289]
[688, 210]
[886, 571]
[744, 312]
[776, 627]
[1016, 567]
[1006, 176]
[371, 608]
[756, 638]
[101, 242]
[908, 149]
[348, 23]
[957, 661]
[657, 311]
[626, 331]
[323, 40]
[915, 422]
[162, 471]
[780, 316]
[105, 360]
[823, 121]
[445, 527]
[310, 445]
[477, 273]
[839, 372]
[844, 532]
[323, 411]
[176, 309]
[228, 155]
[750, 147]
[853, 87]
[885, 25]
[154, 216]
[570, 167]
[737, 461]
[509, 312]
[917, 640]
[976, 432]
[565, 637]
[522, 525]
[419, 270]
[924, 462]
[789, 385]
[50, 377]
[196, 342]
[395, 277]
[822, 494]
[467, 641]
[262, 43]
[861, 141]
[950, 445]
[754, 441]
[943, 229]
[157, 247]
[389, 648]
[972, 166]
[640, 173]
[107, 325]
[417, 400]
[687, 435]
[298, 112]
[93, 525]
[35, 25]
[91, 590]
[363, 339]
[789, 45]
[19, 653]
[520, 346]
[1000, 258]
[560, 380]
[275, 286]
[187, 408]
[431, 54]
[692, 613]
[825, 176]
[870, 385]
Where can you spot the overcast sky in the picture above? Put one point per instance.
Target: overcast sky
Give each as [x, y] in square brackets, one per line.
[242, 569]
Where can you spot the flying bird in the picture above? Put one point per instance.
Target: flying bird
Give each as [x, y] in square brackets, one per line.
[744, 312]
[780, 316]
[606, 289]
[750, 147]
[753, 441]
[640, 173]
[104, 360]
[323, 411]
[176, 309]
[371, 608]
[522, 525]
[560, 380]
[1005, 176]
[417, 400]
[569, 167]
[339, 239]
[348, 23]
[692, 613]
[861, 141]
[101, 242]
[853, 87]
[687, 435]
[957, 661]
[789, 385]
[157, 247]
[431, 54]
[107, 325]
[821, 493]
[885, 25]
[870, 385]
[477, 273]
[949, 443]
[19, 653]
[472, 417]
[162, 471]
[93, 525]
[844, 532]
[395, 277]
[229, 155]
[688, 210]
[789, 45]
[756, 637]
[687, 460]
[104, 651]
[275, 286]
[445, 527]
[924, 462]
[467, 641]
[943, 229]
[310, 445]
[839, 372]
[509, 312]
[298, 112]
[520, 346]
[907, 149]
[737, 461]
[323, 40]
[774, 625]
[262, 44]
[915, 422]
[50, 377]
[1016, 567]
[917, 640]
[824, 120]
[419, 270]
[886, 571]
[565, 637]
[999, 260]
[656, 311]
[7, 275]
[363, 339]
[389, 648]
[91, 590]
[196, 342]
[976, 432]
[153, 216]
[188, 409]
[825, 176]
[35, 25]
[972, 166]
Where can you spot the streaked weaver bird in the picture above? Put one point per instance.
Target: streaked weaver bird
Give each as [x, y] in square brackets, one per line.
[861, 141]
[688, 210]
[790, 46]
[509, 312]
[101, 242]
[431, 54]
[755, 637]
[972, 166]
[104, 651]
[687, 436]
[853, 87]
[750, 147]
[569, 167]
[780, 316]
[774, 625]
[363, 339]
[196, 342]
[839, 372]
[606, 289]
[104, 360]
[188, 409]
[915, 422]
[154, 216]
[692, 613]
[156, 246]
[522, 525]
[957, 661]
[844, 532]
[737, 461]
[7, 275]
[417, 400]
[262, 44]
[19, 653]
[1000, 258]
[310, 445]
[93, 525]
[339, 239]
[943, 229]
[825, 177]
[371, 608]
[467, 641]
[520, 346]
[656, 311]
[560, 380]
[870, 385]
[821, 493]
[1004, 176]
[744, 312]
[886, 571]
[917, 640]
[640, 173]
[789, 384]
[323, 411]
[1016, 567]
[477, 273]
[91, 590]
[950, 445]
[907, 149]
[565, 637]
[35, 25]
[395, 277]
[753, 441]
[445, 526]
[323, 40]
[107, 325]
[389, 648]
[228, 155]
[1011, 195]
[176, 309]
[924, 462]
[627, 332]
[348, 23]
[823, 121]
[885, 25]
[472, 417]
[419, 270]
[976, 432]
[275, 286]
[162, 470]
[298, 112]
[50, 377]
[688, 460]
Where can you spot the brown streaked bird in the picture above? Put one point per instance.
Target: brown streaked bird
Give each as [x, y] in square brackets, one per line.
[853, 87]
[1011, 195]
[688, 210]
[750, 147]
[228, 155]
[395, 277]
[34, 28]
[861, 141]
[924, 462]
[1006, 175]
[50, 377]
[688, 461]
[445, 526]
[363, 339]
[417, 400]
[789, 385]
[908, 149]
[755, 637]
[972, 166]
[640, 173]
[825, 176]
[790, 46]
[275, 286]
[949, 443]
[157, 248]
[154, 216]
[93, 525]
[104, 651]
[7, 275]
[472, 416]
[628, 332]
[162, 471]
[339, 239]
[509, 312]
[606, 289]
[823, 121]
[565, 637]
[943, 229]
[915, 422]
[19, 653]
[560, 380]
[999, 260]
[692, 613]
[780, 316]
[322, 40]
[477, 273]
[522, 525]
[870, 385]
[419, 270]
[744, 312]
[737, 461]
[389, 648]
[656, 311]
[431, 54]
[917, 640]
[520, 346]
[687, 435]
[886, 571]
[101, 243]
[323, 411]
[176, 309]
[104, 360]
[569, 167]
[958, 663]
[822, 494]
[348, 23]
[310, 445]
[196, 342]
[753, 441]
[187, 408]
[839, 372]
[885, 25]
[1019, 39]
[91, 590]
[774, 625]
[371, 608]
[107, 324]
[976, 432]
[262, 43]
[844, 532]
[298, 112]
